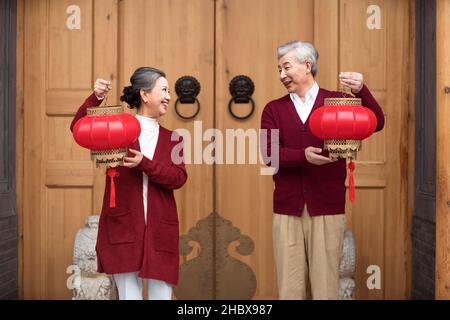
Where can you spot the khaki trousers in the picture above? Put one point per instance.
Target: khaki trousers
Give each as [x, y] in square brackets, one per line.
[307, 254]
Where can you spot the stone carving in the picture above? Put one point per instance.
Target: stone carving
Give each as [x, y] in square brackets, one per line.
[347, 268]
[85, 282]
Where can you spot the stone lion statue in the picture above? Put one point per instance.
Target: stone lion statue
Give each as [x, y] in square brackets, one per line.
[85, 281]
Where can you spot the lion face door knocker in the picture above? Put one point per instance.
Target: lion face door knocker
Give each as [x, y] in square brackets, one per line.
[241, 89]
[187, 89]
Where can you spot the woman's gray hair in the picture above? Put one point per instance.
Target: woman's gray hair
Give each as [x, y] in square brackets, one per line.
[144, 78]
[305, 52]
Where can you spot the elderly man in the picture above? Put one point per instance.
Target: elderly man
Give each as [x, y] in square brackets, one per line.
[309, 196]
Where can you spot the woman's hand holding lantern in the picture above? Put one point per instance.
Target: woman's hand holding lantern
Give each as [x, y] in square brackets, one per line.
[101, 88]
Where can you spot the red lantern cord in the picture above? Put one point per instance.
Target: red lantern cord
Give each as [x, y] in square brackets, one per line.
[351, 181]
[112, 173]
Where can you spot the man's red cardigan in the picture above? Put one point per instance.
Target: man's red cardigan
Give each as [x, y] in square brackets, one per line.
[297, 181]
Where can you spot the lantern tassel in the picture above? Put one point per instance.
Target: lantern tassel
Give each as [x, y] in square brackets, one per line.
[112, 173]
[351, 181]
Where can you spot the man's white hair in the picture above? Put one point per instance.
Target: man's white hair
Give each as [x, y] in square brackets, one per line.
[305, 52]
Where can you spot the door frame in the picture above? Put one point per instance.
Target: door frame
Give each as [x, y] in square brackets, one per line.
[442, 150]
[424, 191]
[20, 136]
[8, 210]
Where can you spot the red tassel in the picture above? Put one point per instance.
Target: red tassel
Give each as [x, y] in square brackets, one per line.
[351, 181]
[112, 173]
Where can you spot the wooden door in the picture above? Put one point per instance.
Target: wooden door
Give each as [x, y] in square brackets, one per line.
[222, 205]
[178, 37]
[345, 43]
[244, 195]
[379, 219]
[61, 186]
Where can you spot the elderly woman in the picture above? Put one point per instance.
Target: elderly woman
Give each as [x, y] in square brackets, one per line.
[138, 239]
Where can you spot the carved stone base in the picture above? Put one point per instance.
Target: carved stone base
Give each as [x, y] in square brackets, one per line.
[86, 282]
[346, 289]
[347, 268]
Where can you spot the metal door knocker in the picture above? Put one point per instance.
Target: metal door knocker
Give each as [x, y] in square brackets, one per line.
[241, 89]
[187, 89]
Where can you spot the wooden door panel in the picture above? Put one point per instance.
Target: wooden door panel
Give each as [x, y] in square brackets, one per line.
[61, 185]
[363, 50]
[60, 69]
[244, 196]
[178, 38]
[69, 51]
[365, 218]
[67, 210]
[378, 217]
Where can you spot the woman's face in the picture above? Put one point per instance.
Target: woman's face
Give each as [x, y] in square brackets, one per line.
[157, 99]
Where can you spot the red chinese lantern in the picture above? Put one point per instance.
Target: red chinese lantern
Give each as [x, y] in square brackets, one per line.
[107, 131]
[343, 123]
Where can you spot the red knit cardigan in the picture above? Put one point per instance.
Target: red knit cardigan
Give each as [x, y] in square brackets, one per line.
[125, 243]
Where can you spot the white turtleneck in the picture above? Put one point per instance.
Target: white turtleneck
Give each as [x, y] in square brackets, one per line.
[147, 141]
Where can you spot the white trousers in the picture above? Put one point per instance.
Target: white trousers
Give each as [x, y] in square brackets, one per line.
[130, 287]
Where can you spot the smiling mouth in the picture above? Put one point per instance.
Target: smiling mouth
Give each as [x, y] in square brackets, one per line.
[287, 83]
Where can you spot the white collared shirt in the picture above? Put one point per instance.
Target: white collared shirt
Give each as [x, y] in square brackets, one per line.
[147, 141]
[304, 108]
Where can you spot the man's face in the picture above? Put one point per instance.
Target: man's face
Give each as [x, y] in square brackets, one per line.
[293, 74]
